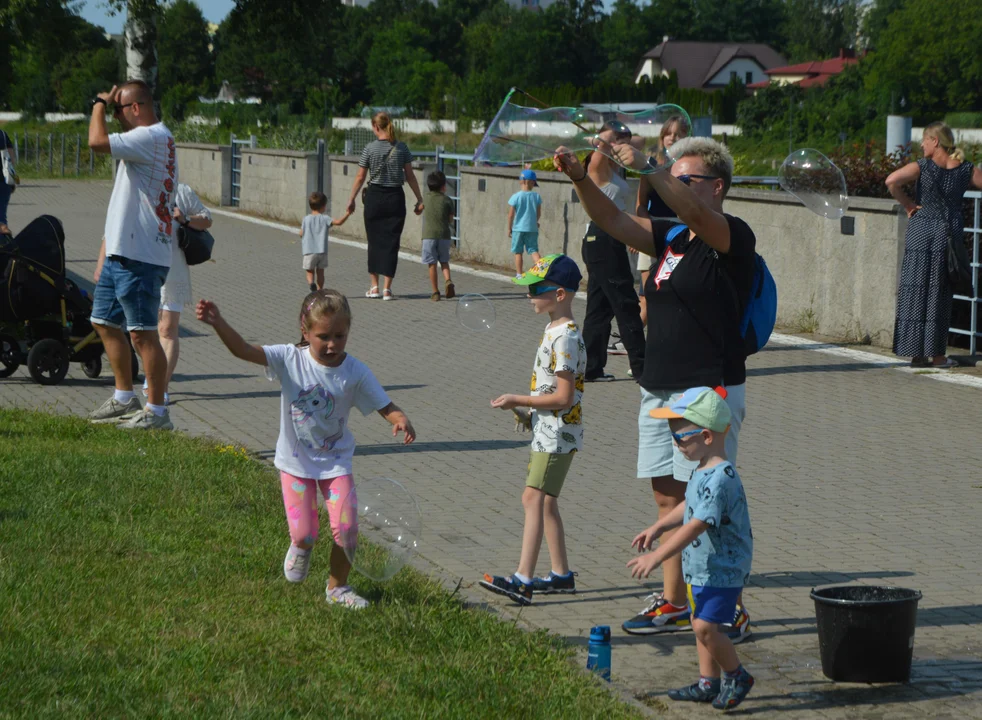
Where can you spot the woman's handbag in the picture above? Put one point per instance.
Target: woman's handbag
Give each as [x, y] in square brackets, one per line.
[959, 266]
[196, 244]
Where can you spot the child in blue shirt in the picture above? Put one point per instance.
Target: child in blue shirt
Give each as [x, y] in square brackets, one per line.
[715, 540]
[524, 213]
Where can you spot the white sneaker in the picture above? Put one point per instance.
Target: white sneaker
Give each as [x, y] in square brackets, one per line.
[616, 348]
[146, 420]
[296, 564]
[113, 411]
[344, 595]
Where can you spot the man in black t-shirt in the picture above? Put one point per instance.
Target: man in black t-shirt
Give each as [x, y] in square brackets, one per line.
[696, 294]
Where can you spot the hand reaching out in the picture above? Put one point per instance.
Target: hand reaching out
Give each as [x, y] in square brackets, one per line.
[207, 312]
[506, 402]
[402, 425]
[644, 539]
[642, 566]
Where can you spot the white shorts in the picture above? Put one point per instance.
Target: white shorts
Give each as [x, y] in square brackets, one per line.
[657, 454]
[315, 261]
[177, 307]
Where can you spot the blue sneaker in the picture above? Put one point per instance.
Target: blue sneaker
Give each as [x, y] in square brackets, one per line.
[511, 588]
[554, 583]
[659, 616]
[739, 629]
[733, 690]
[696, 693]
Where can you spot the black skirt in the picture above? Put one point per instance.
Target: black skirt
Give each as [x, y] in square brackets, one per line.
[385, 217]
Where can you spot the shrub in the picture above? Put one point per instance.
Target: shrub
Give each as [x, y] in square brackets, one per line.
[964, 119]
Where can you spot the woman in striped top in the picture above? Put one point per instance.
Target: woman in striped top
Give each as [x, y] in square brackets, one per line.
[386, 164]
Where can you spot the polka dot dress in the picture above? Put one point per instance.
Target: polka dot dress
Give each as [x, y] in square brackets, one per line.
[924, 295]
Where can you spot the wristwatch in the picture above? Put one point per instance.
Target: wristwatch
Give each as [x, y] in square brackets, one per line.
[98, 100]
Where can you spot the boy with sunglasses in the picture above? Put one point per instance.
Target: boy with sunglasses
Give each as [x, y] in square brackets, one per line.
[556, 420]
[715, 541]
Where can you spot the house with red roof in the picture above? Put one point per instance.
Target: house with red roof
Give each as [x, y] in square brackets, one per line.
[807, 74]
[708, 65]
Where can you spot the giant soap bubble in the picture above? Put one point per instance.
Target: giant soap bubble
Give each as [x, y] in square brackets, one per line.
[816, 181]
[519, 134]
[381, 527]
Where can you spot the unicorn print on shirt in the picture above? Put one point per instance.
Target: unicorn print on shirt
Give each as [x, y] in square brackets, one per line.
[311, 414]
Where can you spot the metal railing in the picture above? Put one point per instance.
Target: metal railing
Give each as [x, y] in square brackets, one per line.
[54, 154]
[450, 165]
[237, 145]
[972, 331]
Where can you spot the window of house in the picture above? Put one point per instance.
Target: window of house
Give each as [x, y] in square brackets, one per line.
[733, 75]
[750, 77]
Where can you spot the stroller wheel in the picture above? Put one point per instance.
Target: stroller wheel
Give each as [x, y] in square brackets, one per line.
[47, 362]
[10, 357]
[92, 367]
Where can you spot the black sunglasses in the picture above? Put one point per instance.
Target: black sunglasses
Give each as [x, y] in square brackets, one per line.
[687, 179]
[120, 108]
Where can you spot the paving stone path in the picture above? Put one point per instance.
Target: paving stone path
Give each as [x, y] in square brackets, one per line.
[855, 472]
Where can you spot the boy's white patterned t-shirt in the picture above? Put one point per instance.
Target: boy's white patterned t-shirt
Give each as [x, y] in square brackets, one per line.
[315, 441]
[561, 350]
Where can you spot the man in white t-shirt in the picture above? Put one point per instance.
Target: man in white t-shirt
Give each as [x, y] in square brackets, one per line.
[136, 250]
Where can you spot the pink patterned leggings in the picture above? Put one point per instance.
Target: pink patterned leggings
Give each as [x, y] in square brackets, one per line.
[300, 501]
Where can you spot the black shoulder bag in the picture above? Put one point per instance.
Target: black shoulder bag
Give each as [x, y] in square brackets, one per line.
[196, 244]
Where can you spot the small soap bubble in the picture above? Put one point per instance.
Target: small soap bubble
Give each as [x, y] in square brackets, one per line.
[475, 312]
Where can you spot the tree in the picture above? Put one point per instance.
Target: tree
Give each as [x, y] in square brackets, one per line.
[818, 29]
[182, 47]
[875, 20]
[935, 67]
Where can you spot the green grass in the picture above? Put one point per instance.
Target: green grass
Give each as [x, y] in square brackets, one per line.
[141, 575]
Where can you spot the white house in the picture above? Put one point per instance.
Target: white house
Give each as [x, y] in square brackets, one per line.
[708, 65]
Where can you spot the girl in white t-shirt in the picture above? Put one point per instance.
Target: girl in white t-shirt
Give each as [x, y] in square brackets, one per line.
[320, 384]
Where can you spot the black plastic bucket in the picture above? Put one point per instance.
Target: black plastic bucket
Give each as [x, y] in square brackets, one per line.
[866, 633]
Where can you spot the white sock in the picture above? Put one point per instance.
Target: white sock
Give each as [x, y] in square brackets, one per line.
[123, 396]
[158, 410]
[521, 578]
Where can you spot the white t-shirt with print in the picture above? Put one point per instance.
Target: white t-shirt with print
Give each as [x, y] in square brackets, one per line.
[139, 225]
[315, 441]
[561, 350]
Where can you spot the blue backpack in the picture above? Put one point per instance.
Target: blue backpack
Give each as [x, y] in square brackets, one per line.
[760, 314]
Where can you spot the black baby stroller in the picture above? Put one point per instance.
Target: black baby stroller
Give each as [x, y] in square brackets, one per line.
[44, 316]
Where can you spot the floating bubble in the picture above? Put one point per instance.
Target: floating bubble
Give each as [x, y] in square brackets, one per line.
[381, 527]
[519, 134]
[816, 182]
[475, 312]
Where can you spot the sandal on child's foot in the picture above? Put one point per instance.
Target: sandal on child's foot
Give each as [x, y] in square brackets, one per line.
[373, 293]
[387, 294]
[435, 296]
[451, 291]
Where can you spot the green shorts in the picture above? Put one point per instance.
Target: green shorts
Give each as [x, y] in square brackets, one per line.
[547, 471]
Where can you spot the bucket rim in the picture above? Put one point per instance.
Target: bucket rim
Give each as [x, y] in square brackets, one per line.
[916, 596]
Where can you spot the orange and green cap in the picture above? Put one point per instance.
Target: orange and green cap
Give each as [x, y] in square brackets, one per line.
[701, 406]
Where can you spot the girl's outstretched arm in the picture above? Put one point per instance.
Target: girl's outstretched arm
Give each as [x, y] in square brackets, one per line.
[207, 312]
[400, 423]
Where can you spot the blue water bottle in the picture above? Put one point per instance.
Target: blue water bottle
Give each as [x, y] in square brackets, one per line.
[598, 651]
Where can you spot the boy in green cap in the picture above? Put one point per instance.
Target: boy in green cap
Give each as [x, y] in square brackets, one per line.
[556, 421]
[716, 543]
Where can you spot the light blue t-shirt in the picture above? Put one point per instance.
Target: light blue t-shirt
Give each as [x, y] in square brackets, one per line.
[722, 555]
[525, 202]
[315, 229]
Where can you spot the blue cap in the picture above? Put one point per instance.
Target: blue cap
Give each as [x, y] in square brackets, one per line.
[530, 176]
[560, 269]
[600, 633]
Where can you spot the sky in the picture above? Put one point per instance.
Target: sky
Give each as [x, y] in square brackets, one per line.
[214, 10]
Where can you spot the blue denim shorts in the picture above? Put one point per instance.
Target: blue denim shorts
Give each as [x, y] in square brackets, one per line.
[657, 454]
[128, 293]
[713, 604]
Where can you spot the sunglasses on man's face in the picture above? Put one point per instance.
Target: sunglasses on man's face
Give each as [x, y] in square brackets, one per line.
[120, 108]
[687, 179]
[539, 289]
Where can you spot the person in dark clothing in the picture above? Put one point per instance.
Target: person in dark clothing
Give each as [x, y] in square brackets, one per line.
[610, 286]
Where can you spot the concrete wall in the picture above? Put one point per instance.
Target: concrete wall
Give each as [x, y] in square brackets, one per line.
[207, 169]
[829, 282]
[277, 183]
